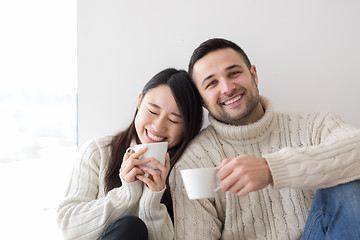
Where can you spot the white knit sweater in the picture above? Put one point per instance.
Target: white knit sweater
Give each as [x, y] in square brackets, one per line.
[305, 151]
[86, 211]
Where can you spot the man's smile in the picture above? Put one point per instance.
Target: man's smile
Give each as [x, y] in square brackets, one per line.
[233, 101]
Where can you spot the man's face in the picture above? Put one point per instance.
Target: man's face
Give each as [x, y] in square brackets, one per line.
[228, 88]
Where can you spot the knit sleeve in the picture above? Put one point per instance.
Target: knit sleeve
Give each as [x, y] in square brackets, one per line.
[333, 157]
[193, 219]
[155, 215]
[83, 214]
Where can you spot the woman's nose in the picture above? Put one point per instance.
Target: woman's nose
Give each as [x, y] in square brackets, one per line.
[159, 124]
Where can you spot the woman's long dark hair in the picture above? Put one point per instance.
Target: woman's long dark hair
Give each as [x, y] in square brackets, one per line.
[189, 102]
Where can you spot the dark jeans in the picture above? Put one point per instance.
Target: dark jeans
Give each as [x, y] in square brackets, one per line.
[125, 227]
[335, 213]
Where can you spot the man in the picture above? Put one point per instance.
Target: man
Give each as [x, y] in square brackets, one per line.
[278, 171]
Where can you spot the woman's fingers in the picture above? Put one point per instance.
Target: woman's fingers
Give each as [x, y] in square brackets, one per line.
[167, 161]
[156, 179]
[153, 172]
[130, 176]
[140, 152]
[130, 165]
[158, 164]
[144, 179]
[135, 171]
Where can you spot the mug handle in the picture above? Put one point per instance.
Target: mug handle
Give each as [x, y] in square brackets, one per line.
[128, 150]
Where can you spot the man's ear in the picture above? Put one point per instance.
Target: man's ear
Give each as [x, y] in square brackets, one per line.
[139, 100]
[254, 74]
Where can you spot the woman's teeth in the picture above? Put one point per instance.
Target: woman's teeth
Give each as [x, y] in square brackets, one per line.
[233, 100]
[155, 138]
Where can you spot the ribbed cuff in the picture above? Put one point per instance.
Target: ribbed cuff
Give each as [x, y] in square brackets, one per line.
[133, 188]
[150, 200]
[280, 174]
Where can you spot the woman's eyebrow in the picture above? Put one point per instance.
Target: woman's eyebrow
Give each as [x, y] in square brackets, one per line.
[176, 114]
[158, 107]
[154, 105]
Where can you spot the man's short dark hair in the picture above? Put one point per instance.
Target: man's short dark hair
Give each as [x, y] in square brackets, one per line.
[212, 45]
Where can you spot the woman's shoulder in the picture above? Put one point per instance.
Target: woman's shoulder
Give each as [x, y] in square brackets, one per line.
[98, 142]
[94, 146]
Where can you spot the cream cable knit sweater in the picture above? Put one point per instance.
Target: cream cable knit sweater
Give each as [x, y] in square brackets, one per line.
[86, 211]
[305, 151]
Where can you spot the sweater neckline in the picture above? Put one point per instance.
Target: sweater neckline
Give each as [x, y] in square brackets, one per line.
[246, 132]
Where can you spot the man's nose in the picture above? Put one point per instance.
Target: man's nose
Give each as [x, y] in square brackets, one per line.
[226, 86]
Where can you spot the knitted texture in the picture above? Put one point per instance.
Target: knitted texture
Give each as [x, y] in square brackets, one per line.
[305, 151]
[86, 210]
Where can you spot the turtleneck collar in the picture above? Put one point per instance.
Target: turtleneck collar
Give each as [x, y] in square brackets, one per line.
[246, 132]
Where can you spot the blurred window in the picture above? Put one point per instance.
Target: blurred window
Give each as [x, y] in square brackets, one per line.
[38, 112]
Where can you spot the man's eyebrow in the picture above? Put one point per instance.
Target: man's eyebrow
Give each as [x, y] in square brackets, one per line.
[233, 66]
[206, 79]
[226, 69]
[158, 107]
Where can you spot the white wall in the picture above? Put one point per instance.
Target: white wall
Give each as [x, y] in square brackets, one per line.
[306, 52]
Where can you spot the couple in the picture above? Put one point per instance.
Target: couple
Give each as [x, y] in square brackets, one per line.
[283, 175]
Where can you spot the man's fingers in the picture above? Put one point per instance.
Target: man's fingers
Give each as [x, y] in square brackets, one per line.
[232, 181]
[224, 162]
[224, 171]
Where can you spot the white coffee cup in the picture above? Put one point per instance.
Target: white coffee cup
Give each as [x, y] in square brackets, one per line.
[200, 182]
[154, 150]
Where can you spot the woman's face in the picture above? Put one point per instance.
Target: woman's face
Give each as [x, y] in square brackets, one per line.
[158, 118]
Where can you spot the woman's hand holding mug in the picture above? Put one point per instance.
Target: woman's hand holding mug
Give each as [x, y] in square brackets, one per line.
[130, 165]
[150, 158]
[156, 179]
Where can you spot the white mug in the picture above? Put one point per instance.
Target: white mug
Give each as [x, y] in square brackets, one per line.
[200, 182]
[154, 150]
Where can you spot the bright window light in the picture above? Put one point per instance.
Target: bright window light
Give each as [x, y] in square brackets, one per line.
[38, 127]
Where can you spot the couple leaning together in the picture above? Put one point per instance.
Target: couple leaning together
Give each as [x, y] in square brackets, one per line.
[282, 175]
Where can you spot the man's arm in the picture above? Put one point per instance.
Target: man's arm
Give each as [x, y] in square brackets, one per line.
[332, 158]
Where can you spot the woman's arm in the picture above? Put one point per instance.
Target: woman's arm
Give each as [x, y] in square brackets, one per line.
[151, 211]
[155, 215]
[85, 211]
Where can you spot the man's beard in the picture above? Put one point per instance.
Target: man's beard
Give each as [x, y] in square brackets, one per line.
[252, 98]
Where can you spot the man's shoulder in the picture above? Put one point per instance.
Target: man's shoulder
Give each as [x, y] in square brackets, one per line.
[206, 139]
[306, 115]
[205, 135]
[201, 151]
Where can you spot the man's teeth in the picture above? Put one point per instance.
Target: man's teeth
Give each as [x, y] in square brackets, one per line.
[155, 138]
[233, 100]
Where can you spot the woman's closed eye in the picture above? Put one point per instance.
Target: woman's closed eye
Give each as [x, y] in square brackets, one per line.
[152, 112]
[173, 121]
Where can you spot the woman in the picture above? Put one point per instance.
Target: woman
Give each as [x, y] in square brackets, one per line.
[109, 196]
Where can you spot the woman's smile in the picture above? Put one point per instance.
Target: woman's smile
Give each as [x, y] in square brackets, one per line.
[153, 137]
